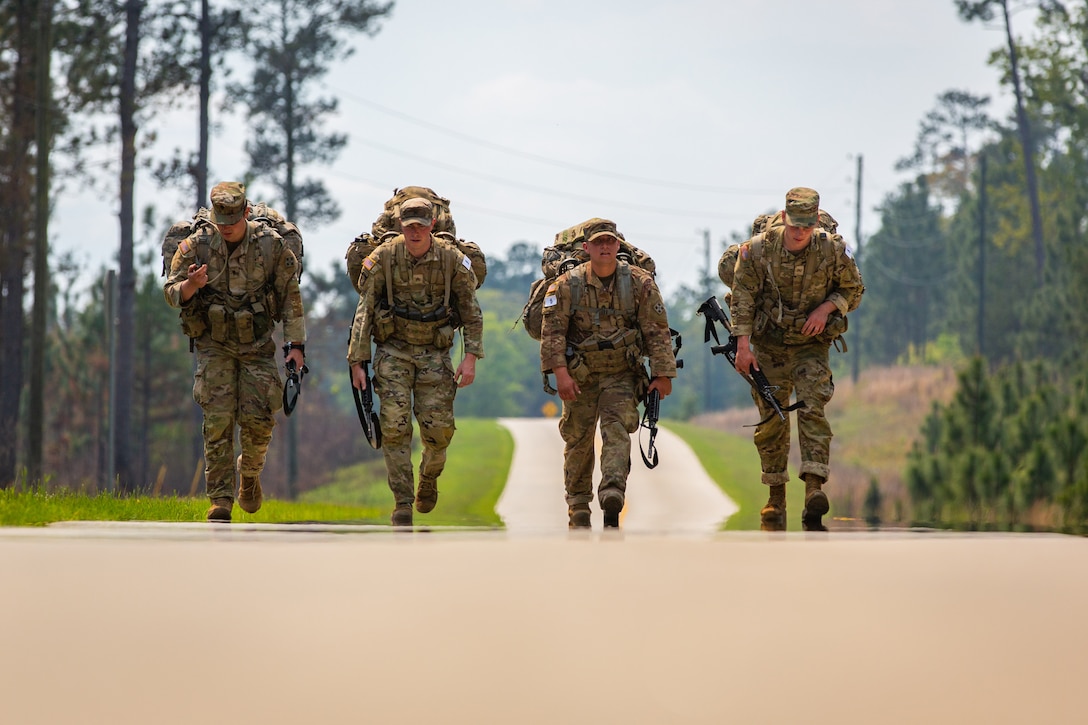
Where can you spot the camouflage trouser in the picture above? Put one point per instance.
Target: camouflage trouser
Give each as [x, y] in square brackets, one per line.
[235, 390]
[612, 400]
[803, 369]
[416, 379]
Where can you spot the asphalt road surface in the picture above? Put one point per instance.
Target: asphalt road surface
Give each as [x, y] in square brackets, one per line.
[194, 623]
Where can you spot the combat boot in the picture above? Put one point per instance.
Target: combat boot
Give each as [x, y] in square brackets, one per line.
[250, 496]
[816, 503]
[578, 516]
[611, 504]
[773, 515]
[427, 495]
[402, 515]
[220, 510]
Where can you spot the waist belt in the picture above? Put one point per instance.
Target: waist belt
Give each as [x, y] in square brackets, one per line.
[410, 313]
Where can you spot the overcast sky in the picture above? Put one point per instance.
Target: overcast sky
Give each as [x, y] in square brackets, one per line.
[669, 117]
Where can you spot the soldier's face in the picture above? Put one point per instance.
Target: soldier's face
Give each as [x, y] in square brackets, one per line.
[233, 232]
[602, 249]
[417, 238]
[798, 237]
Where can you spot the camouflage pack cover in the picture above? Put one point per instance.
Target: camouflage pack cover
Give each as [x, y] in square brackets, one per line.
[387, 226]
[565, 254]
[761, 224]
[259, 212]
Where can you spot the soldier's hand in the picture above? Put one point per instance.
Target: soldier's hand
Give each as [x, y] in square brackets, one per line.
[358, 376]
[817, 319]
[564, 383]
[662, 385]
[466, 371]
[198, 275]
[746, 360]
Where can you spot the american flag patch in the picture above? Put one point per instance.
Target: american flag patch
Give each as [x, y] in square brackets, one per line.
[184, 246]
[368, 263]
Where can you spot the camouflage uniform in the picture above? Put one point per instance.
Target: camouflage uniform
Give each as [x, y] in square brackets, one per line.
[612, 381]
[237, 380]
[413, 372]
[773, 293]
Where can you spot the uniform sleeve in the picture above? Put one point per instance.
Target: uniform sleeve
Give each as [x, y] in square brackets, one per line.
[372, 283]
[554, 325]
[179, 272]
[746, 285]
[846, 294]
[286, 283]
[653, 322]
[463, 287]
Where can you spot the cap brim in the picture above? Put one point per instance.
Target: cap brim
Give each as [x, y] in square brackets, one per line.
[599, 235]
[801, 220]
[227, 219]
[414, 221]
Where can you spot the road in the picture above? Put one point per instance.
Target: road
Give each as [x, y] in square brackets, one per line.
[187, 623]
[675, 497]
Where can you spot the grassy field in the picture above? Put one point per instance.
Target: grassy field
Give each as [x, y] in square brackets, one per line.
[468, 491]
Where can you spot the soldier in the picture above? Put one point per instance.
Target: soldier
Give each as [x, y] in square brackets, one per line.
[793, 285]
[599, 320]
[233, 282]
[416, 291]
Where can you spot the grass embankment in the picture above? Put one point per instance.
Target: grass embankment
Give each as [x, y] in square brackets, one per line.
[731, 461]
[477, 464]
[469, 488]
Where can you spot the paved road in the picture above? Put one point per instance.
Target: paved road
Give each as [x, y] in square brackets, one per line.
[676, 497]
[191, 623]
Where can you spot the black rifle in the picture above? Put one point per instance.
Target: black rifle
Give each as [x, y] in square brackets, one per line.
[292, 386]
[713, 312]
[650, 414]
[364, 405]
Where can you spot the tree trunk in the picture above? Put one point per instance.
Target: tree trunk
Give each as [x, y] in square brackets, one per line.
[1028, 145]
[15, 185]
[126, 297]
[43, 143]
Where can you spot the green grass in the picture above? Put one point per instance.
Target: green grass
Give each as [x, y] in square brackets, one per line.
[477, 465]
[476, 469]
[38, 508]
[733, 463]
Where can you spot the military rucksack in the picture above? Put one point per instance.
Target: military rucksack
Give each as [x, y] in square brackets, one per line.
[259, 212]
[566, 254]
[728, 261]
[387, 226]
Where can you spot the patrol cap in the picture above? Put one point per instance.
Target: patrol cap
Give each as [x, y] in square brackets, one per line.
[802, 207]
[416, 211]
[228, 202]
[600, 228]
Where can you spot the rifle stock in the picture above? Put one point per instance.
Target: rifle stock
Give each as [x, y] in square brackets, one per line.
[650, 415]
[292, 386]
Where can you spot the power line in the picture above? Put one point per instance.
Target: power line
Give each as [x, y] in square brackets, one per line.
[546, 159]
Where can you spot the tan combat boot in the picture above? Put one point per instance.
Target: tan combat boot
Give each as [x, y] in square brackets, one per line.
[220, 510]
[250, 496]
[578, 516]
[611, 504]
[426, 495]
[773, 515]
[816, 503]
[402, 515]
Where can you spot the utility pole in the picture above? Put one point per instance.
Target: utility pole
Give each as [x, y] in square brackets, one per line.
[857, 258]
[982, 255]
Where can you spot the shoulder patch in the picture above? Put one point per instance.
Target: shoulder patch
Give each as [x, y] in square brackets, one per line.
[745, 249]
[550, 300]
[368, 263]
[849, 252]
[552, 288]
[184, 246]
[466, 262]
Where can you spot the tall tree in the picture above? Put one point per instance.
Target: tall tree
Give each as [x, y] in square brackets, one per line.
[113, 70]
[943, 150]
[985, 10]
[18, 29]
[292, 48]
